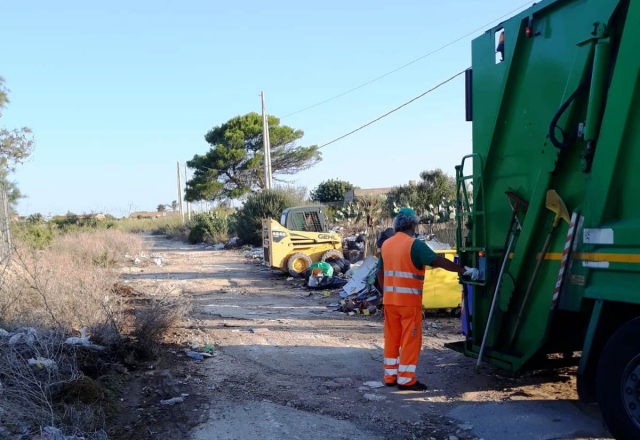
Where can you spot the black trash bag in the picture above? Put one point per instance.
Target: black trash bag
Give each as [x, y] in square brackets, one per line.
[355, 256]
[336, 268]
[337, 261]
[340, 263]
[351, 245]
[329, 283]
[305, 275]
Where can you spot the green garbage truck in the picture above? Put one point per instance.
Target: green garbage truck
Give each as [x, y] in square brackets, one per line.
[548, 202]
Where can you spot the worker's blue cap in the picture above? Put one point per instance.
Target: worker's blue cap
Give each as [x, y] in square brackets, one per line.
[405, 218]
[407, 212]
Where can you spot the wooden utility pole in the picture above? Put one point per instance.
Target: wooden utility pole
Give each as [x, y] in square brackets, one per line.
[186, 179]
[267, 146]
[180, 194]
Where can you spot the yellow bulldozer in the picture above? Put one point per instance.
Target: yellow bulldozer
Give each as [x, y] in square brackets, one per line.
[300, 239]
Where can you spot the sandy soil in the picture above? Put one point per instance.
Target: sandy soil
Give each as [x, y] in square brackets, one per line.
[286, 366]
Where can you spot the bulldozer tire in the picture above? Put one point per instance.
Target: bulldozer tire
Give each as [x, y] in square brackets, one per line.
[331, 253]
[617, 380]
[298, 263]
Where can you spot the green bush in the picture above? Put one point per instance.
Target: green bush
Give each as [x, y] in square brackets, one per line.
[232, 224]
[35, 234]
[173, 231]
[268, 203]
[210, 227]
[332, 190]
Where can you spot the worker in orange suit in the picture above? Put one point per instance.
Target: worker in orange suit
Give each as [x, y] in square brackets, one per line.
[401, 276]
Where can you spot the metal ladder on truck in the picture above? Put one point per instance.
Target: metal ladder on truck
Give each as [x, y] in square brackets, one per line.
[466, 216]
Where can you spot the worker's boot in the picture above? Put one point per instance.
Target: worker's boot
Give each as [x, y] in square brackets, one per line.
[416, 386]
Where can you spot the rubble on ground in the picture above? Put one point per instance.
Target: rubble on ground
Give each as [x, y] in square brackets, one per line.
[254, 255]
[143, 259]
[355, 284]
[32, 361]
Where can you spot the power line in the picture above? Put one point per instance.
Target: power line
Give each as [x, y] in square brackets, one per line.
[394, 110]
[373, 121]
[408, 64]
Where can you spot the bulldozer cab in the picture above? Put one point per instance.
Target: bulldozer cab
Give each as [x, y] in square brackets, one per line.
[308, 218]
[301, 238]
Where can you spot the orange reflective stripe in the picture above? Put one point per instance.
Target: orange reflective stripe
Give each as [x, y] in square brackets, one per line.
[403, 290]
[399, 274]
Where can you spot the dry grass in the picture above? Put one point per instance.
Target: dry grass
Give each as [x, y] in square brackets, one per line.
[68, 286]
[136, 225]
[153, 321]
[39, 375]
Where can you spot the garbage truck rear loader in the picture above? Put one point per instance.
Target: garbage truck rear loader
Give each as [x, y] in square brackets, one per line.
[553, 218]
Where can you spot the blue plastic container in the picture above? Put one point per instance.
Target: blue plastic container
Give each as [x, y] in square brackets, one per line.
[466, 326]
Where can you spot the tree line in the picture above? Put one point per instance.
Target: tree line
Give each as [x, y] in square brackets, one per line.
[432, 194]
[233, 167]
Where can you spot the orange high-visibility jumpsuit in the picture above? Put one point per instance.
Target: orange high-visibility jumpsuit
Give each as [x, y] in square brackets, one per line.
[402, 300]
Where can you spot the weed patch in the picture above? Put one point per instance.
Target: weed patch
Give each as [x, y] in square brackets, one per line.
[67, 326]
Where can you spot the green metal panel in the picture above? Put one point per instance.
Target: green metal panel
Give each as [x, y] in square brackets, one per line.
[574, 45]
[591, 331]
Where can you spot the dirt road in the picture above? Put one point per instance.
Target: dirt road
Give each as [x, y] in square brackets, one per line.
[287, 367]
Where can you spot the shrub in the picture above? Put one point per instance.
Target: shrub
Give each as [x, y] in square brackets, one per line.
[39, 375]
[211, 227]
[332, 190]
[68, 285]
[232, 224]
[174, 231]
[269, 203]
[153, 321]
[137, 225]
[35, 234]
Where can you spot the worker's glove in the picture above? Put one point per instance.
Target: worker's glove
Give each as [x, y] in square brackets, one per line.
[471, 272]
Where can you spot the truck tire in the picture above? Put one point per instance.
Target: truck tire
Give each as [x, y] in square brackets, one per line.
[331, 253]
[298, 263]
[618, 382]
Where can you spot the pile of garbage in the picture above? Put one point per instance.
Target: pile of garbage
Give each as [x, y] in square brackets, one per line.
[329, 274]
[353, 246]
[199, 352]
[255, 255]
[356, 283]
[361, 295]
[232, 243]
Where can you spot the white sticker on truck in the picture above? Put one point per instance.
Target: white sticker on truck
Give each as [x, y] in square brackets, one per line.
[596, 264]
[597, 236]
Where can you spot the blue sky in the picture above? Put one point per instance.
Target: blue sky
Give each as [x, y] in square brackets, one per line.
[118, 92]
